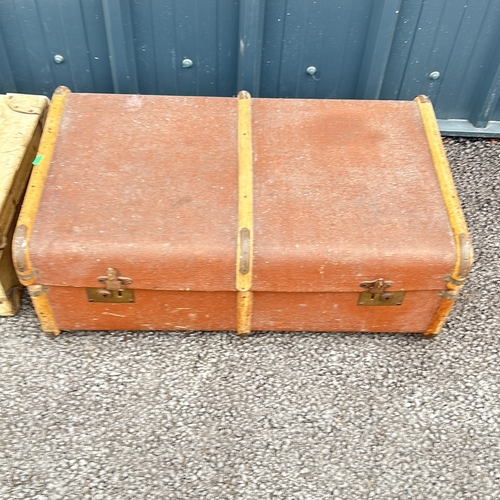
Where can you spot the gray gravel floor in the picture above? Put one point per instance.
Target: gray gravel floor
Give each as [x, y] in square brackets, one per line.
[285, 416]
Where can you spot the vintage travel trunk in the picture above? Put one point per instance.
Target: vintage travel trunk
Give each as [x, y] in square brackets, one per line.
[204, 213]
[21, 119]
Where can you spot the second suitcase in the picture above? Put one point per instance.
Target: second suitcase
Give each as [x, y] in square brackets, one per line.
[21, 120]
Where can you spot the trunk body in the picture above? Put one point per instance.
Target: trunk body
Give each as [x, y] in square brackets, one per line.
[150, 187]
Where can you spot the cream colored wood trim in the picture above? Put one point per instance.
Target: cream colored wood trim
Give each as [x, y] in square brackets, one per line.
[450, 197]
[245, 194]
[43, 310]
[34, 191]
[440, 317]
[244, 313]
[244, 252]
[22, 236]
[463, 247]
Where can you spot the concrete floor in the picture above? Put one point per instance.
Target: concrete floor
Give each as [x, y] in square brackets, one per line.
[276, 416]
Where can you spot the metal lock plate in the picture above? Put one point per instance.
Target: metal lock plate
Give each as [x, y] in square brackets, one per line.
[381, 299]
[377, 294]
[110, 296]
[114, 290]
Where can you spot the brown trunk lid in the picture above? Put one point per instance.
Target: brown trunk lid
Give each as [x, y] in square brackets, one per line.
[344, 192]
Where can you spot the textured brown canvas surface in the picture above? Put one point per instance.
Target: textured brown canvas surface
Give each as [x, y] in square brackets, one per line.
[344, 192]
[145, 184]
[169, 310]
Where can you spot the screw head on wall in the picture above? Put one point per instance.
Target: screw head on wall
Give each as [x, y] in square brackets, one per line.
[434, 75]
[311, 70]
[58, 59]
[187, 63]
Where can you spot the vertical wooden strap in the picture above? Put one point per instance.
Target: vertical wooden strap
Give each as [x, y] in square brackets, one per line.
[244, 252]
[450, 196]
[43, 310]
[464, 255]
[21, 244]
[244, 313]
[440, 317]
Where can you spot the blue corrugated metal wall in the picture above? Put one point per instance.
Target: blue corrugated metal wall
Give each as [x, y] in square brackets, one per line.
[363, 49]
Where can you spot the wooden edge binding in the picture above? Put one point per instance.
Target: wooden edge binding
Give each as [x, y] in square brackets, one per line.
[440, 317]
[463, 246]
[244, 252]
[42, 307]
[21, 242]
[244, 313]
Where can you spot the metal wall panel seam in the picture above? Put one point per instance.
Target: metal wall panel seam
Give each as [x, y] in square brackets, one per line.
[207, 68]
[156, 72]
[465, 128]
[444, 71]
[465, 76]
[378, 48]
[7, 83]
[77, 47]
[439, 26]
[401, 48]
[415, 78]
[488, 92]
[357, 48]
[153, 80]
[227, 47]
[33, 39]
[250, 39]
[96, 43]
[117, 20]
[271, 50]
[407, 62]
[345, 28]
[298, 77]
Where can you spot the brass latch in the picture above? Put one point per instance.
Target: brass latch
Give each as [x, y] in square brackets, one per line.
[114, 288]
[377, 295]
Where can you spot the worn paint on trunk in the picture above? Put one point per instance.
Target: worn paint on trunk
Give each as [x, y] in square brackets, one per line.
[343, 192]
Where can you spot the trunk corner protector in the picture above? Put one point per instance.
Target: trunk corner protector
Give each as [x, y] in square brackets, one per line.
[20, 253]
[449, 294]
[62, 90]
[20, 256]
[27, 104]
[423, 99]
[37, 290]
[465, 257]
[463, 262]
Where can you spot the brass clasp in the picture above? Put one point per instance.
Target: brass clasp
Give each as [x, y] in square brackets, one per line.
[377, 295]
[112, 281]
[114, 288]
[376, 286]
